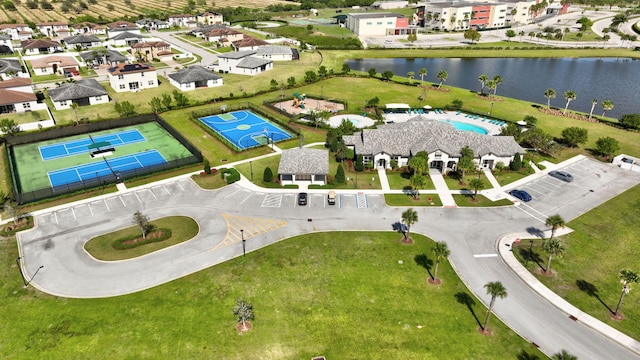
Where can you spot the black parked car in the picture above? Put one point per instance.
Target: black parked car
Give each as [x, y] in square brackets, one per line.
[302, 199]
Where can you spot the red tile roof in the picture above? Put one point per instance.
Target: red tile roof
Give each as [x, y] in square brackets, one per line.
[14, 97]
[15, 82]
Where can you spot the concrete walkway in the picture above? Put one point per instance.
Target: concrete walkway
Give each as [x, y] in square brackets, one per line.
[442, 189]
[384, 181]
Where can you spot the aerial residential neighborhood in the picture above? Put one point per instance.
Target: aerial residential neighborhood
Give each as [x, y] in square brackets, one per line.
[296, 180]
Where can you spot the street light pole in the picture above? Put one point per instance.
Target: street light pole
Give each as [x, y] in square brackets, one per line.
[244, 251]
[34, 276]
[491, 109]
[24, 281]
[251, 167]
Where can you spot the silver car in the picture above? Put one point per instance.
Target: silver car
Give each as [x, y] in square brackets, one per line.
[562, 175]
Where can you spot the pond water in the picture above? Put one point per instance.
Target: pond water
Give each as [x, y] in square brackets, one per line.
[616, 79]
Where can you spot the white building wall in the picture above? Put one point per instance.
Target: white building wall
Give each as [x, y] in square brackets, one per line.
[102, 99]
[145, 80]
[498, 17]
[27, 105]
[370, 26]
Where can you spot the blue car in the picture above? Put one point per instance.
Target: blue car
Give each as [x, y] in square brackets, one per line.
[521, 194]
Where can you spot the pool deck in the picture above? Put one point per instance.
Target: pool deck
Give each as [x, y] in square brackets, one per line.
[358, 121]
[492, 129]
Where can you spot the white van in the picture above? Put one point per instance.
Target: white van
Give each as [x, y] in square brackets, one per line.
[331, 198]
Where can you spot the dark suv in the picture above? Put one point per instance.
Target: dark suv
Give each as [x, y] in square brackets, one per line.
[562, 175]
[302, 199]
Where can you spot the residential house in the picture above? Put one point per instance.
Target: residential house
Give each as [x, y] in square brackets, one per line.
[303, 166]
[210, 18]
[379, 24]
[103, 57]
[242, 62]
[223, 35]
[249, 43]
[183, 20]
[399, 142]
[6, 47]
[117, 27]
[200, 31]
[82, 92]
[126, 38]
[54, 64]
[194, 77]
[82, 40]
[147, 51]
[152, 24]
[54, 29]
[17, 31]
[132, 77]
[16, 95]
[11, 68]
[275, 53]
[40, 46]
[88, 28]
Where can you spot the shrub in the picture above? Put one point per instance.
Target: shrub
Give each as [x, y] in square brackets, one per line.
[207, 166]
[120, 244]
[268, 175]
[340, 178]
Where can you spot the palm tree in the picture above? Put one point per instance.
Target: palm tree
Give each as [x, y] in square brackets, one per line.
[521, 34]
[422, 72]
[555, 222]
[419, 164]
[496, 290]
[564, 355]
[498, 80]
[74, 106]
[417, 183]
[569, 95]
[244, 312]
[411, 75]
[606, 106]
[483, 80]
[440, 251]
[409, 217]
[476, 184]
[553, 248]
[549, 94]
[618, 20]
[491, 85]
[626, 278]
[442, 76]
[593, 105]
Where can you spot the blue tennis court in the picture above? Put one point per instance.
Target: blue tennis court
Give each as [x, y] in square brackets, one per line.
[245, 129]
[69, 148]
[104, 168]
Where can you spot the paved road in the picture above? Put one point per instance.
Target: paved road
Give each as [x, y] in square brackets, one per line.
[266, 217]
[207, 57]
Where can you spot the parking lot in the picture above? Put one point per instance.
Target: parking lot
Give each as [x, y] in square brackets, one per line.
[593, 183]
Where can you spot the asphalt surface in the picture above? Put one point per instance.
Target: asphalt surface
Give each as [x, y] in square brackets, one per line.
[267, 217]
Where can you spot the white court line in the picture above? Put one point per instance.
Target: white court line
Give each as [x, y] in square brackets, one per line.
[485, 255]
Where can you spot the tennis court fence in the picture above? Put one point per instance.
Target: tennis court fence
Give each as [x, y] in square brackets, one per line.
[21, 197]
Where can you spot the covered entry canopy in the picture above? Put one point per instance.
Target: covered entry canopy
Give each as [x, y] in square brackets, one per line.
[397, 106]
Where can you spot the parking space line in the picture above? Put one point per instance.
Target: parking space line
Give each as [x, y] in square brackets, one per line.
[180, 185]
[90, 210]
[122, 201]
[521, 208]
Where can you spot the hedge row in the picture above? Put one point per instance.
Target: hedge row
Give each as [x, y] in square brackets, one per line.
[119, 244]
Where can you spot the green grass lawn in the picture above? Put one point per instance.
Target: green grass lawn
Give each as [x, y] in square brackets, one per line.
[182, 229]
[507, 177]
[479, 201]
[399, 180]
[605, 241]
[342, 295]
[408, 200]
[454, 184]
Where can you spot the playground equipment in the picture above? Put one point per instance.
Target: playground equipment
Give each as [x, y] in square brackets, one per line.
[298, 100]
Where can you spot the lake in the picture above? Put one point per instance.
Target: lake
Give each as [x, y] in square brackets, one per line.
[616, 79]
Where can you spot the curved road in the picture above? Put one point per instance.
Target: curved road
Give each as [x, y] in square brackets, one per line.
[267, 216]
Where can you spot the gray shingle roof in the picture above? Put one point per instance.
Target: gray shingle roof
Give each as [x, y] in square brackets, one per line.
[193, 73]
[421, 134]
[5, 37]
[127, 35]
[112, 55]
[251, 62]
[274, 50]
[304, 161]
[237, 54]
[78, 90]
[80, 39]
[7, 65]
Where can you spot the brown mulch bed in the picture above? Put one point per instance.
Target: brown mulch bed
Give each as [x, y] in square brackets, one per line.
[569, 114]
[407, 240]
[243, 329]
[434, 282]
[489, 98]
[484, 332]
[150, 236]
[435, 87]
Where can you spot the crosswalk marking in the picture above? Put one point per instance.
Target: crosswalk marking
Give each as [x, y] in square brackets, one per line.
[272, 200]
[250, 227]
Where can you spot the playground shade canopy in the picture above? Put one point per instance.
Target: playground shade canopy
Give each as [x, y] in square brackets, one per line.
[397, 106]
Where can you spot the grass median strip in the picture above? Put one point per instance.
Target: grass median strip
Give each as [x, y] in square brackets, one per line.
[180, 229]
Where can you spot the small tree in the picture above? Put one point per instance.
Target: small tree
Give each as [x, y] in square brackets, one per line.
[274, 84]
[346, 68]
[564, 355]
[495, 290]
[181, 98]
[14, 212]
[125, 108]
[552, 248]
[156, 104]
[573, 136]
[387, 75]
[340, 178]
[372, 72]
[142, 222]
[442, 76]
[410, 76]
[9, 127]
[473, 35]
[510, 34]
[516, 164]
[555, 222]
[206, 166]
[440, 250]
[466, 162]
[166, 101]
[476, 184]
[417, 182]
[267, 176]
[409, 217]
[626, 278]
[243, 312]
[74, 106]
[607, 146]
[359, 166]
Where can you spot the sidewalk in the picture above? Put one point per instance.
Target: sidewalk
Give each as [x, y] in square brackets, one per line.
[443, 190]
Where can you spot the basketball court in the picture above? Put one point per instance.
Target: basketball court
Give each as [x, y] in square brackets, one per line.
[245, 129]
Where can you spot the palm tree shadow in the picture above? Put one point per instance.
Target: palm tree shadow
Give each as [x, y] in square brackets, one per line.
[466, 299]
[523, 355]
[425, 262]
[529, 255]
[591, 290]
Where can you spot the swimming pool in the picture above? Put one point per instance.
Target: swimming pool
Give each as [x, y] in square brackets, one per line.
[467, 127]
